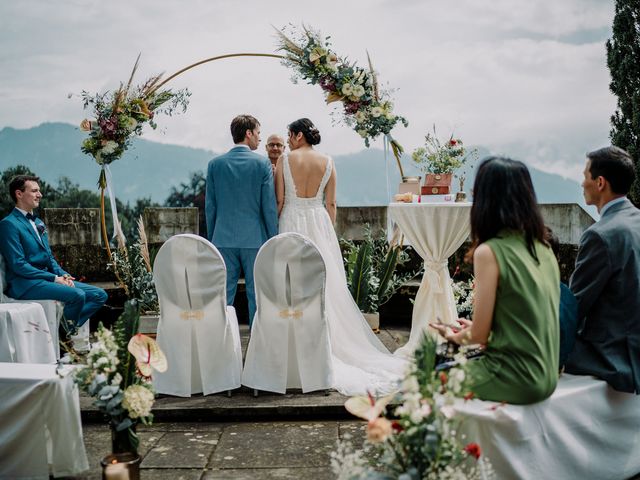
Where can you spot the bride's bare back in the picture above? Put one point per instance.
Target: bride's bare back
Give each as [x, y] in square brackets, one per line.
[307, 169]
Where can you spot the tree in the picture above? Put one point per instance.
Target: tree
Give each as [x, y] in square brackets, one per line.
[191, 194]
[49, 194]
[623, 60]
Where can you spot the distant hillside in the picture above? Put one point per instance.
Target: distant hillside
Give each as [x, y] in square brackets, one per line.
[150, 169]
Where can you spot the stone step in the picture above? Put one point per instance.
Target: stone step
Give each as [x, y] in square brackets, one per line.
[243, 406]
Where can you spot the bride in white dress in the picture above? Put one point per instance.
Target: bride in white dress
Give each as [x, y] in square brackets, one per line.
[361, 363]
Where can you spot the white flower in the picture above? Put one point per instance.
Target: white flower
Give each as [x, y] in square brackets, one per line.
[116, 380]
[363, 133]
[361, 116]
[131, 124]
[138, 400]
[389, 115]
[109, 147]
[347, 89]
[332, 61]
[358, 91]
[376, 112]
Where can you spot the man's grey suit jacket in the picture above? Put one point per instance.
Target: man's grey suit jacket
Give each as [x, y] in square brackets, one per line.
[606, 283]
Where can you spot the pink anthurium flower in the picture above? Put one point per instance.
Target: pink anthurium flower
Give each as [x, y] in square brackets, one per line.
[147, 353]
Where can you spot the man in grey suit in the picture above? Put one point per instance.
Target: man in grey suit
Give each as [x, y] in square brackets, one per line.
[240, 206]
[606, 281]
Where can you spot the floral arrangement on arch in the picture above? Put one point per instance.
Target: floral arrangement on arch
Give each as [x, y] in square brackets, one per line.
[118, 375]
[366, 108]
[421, 440]
[437, 157]
[121, 115]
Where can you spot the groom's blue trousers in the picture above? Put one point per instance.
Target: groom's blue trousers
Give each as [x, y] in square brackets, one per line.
[237, 260]
[80, 301]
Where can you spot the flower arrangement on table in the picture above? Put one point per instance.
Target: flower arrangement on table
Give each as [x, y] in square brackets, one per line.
[118, 375]
[437, 157]
[366, 108]
[423, 441]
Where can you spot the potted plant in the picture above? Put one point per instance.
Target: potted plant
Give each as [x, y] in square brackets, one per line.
[371, 272]
[438, 161]
[117, 374]
[132, 264]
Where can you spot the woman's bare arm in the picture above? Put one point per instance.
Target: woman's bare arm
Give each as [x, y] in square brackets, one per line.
[330, 194]
[279, 181]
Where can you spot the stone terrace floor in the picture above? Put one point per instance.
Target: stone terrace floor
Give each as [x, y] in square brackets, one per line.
[215, 437]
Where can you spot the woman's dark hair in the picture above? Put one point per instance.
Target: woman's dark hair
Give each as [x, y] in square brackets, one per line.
[310, 132]
[504, 199]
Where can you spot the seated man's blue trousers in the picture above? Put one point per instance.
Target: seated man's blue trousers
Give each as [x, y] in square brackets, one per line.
[80, 301]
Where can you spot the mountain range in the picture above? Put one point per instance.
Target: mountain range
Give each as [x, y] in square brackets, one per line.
[150, 169]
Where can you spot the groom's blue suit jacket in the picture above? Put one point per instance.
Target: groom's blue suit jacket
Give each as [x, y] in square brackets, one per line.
[28, 257]
[240, 205]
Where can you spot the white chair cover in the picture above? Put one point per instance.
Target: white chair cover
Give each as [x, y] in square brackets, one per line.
[24, 334]
[52, 309]
[584, 430]
[289, 345]
[197, 332]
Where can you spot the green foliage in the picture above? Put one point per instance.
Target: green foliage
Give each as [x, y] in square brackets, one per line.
[68, 194]
[438, 158]
[132, 269]
[623, 60]
[126, 327]
[371, 270]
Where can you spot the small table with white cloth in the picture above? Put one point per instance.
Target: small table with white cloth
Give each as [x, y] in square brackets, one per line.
[435, 231]
[25, 336]
[40, 427]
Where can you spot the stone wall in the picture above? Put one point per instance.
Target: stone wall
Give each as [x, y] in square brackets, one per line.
[162, 223]
[76, 239]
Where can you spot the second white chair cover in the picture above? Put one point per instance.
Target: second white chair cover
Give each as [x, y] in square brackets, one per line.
[289, 345]
[24, 334]
[197, 332]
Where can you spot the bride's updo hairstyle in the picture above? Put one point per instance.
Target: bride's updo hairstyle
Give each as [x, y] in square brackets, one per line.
[310, 132]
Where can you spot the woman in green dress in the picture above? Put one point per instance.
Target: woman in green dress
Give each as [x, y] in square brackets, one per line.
[517, 293]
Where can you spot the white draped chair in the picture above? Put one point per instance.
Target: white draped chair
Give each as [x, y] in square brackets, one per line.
[197, 331]
[38, 339]
[289, 345]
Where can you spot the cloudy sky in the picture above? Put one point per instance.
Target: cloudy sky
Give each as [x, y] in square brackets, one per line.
[520, 77]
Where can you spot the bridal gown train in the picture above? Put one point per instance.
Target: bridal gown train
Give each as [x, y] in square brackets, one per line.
[361, 363]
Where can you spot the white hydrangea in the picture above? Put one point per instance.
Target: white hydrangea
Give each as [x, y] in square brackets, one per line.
[109, 147]
[138, 400]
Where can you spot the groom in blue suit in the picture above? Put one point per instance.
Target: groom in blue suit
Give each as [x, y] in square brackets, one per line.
[32, 272]
[240, 206]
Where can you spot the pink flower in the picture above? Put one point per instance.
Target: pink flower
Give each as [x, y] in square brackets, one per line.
[378, 430]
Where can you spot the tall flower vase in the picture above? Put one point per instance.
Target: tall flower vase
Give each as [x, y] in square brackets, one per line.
[124, 462]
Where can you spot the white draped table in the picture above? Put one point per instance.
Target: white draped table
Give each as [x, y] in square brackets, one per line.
[435, 231]
[40, 428]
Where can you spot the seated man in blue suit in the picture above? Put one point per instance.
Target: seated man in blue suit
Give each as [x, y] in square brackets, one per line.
[606, 281]
[32, 272]
[240, 206]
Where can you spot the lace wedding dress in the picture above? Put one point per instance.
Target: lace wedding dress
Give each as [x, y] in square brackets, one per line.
[361, 363]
